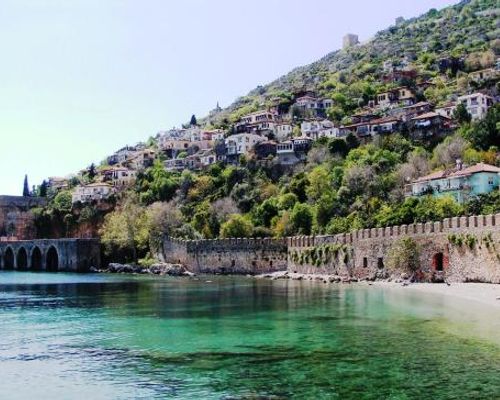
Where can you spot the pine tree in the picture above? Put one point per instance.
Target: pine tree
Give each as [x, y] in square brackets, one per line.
[26, 188]
[193, 122]
[43, 189]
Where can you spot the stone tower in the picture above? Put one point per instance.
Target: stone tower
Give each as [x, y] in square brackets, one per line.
[350, 40]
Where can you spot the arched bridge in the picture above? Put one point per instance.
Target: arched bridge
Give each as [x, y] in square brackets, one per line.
[72, 255]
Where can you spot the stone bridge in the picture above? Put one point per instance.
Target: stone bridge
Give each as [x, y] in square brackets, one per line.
[71, 255]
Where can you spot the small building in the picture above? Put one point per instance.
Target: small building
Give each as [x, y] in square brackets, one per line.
[484, 75]
[92, 192]
[400, 95]
[462, 183]
[283, 131]
[350, 40]
[56, 183]
[175, 164]
[122, 155]
[447, 110]
[291, 152]
[265, 149]
[259, 122]
[430, 124]
[119, 177]
[141, 160]
[316, 129]
[208, 157]
[239, 144]
[477, 104]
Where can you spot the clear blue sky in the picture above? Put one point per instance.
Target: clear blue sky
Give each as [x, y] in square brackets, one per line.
[81, 78]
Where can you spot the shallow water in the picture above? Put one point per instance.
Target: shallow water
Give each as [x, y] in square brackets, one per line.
[136, 337]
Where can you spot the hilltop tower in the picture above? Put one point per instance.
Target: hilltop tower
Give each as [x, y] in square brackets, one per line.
[350, 40]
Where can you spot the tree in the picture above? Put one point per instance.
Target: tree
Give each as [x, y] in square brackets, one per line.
[26, 188]
[236, 227]
[43, 189]
[301, 219]
[461, 115]
[193, 121]
[404, 256]
[63, 202]
[339, 147]
[352, 141]
[91, 171]
[485, 133]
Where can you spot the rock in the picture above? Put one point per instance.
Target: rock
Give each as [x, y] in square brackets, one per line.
[94, 270]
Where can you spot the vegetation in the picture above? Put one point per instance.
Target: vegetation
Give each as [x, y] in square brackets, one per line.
[404, 255]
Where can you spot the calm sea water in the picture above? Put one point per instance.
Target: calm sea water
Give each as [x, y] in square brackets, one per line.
[65, 336]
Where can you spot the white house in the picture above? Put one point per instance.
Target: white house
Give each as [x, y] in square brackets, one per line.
[93, 191]
[316, 129]
[119, 177]
[242, 143]
[283, 131]
[477, 104]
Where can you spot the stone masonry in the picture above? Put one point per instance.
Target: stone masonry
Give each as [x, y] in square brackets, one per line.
[461, 249]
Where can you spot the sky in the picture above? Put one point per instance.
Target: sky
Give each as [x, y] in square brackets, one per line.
[82, 78]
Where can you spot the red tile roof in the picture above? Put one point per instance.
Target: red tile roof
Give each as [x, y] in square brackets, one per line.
[474, 169]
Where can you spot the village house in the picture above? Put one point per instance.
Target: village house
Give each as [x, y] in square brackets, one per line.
[446, 110]
[55, 183]
[408, 112]
[462, 183]
[259, 122]
[174, 164]
[119, 177]
[141, 160]
[92, 192]
[207, 158]
[430, 124]
[477, 104]
[401, 95]
[373, 126]
[291, 152]
[484, 75]
[122, 155]
[283, 131]
[239, 144]
[312, 103]
[265, 149]
[316, 129]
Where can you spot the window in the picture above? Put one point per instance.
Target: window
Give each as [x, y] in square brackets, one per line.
[490, 180]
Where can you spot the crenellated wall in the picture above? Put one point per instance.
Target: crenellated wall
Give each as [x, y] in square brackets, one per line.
[465, 248]
[457, 249]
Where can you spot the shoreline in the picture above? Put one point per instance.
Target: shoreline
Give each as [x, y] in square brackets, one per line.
[481, 293]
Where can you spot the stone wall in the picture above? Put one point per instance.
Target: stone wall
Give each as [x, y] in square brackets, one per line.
[456, 250]
[16, 220]
[233, 256]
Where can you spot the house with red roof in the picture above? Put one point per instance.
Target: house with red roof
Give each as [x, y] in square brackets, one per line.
[462, 183]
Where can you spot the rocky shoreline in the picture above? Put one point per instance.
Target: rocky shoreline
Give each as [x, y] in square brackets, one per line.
[404, 279]
[155, 269]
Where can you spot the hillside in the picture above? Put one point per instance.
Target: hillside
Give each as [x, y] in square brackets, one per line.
[419, 98]
[451, 32]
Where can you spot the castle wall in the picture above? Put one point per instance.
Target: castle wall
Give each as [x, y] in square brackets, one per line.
[456, 250]
[233, 256]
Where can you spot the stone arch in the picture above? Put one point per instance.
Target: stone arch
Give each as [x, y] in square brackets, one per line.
[52, 259]
[36, 259]
[8, 258]
[22, 258]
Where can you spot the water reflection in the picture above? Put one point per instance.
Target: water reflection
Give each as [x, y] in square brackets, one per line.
[143, 337]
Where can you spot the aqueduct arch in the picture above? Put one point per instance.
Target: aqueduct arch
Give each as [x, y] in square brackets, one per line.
[72, 255]
[36, 259]
[8, 258]
[52, 260]
[22, 259]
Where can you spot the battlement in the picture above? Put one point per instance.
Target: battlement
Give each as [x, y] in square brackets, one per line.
[446, 226]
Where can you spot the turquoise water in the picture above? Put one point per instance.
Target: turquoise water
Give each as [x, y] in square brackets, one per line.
[66, 336]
